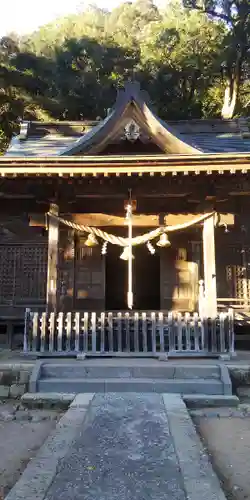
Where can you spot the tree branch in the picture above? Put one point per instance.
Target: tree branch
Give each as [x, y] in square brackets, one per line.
[213, 13]
[221, 16]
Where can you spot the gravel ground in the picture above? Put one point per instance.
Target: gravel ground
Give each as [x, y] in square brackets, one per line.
[226, 435]
[22, 433]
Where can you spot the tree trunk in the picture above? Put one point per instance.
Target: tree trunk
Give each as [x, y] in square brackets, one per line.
[230, 99]
[232, 91]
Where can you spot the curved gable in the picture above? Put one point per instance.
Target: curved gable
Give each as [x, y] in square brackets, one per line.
[130, 106]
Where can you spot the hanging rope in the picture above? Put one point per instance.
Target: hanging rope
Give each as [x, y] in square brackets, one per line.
[137, 240]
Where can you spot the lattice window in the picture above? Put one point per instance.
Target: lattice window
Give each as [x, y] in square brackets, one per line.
[239, 284]
[23, 273]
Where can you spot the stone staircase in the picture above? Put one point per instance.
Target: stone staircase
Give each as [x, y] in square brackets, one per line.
[130, 375]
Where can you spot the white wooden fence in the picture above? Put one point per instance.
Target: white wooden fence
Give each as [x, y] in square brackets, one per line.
[133, 334]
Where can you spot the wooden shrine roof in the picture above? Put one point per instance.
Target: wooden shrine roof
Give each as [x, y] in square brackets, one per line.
[190, 137]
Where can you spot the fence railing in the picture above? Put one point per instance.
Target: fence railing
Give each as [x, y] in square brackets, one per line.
[137, 333]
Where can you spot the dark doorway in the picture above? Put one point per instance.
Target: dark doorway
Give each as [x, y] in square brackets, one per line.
[146, 279]
[116, 280]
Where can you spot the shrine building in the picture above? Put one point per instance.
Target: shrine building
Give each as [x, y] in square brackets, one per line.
[127, 217]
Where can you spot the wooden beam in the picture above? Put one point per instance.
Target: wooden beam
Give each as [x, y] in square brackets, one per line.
[209, 268]
[116, 207]
[53, 238]
[139, 220]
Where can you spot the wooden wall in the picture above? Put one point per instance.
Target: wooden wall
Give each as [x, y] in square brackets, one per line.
[23, 273]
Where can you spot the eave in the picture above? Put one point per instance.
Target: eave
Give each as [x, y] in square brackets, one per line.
[124, 165]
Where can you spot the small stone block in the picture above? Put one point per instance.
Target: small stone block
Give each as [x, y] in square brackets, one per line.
[9, 377]
[17, 390]
[82, 400]
[163, 357]
[4, 391]
[224, 357]
[22, 416]
[24, 377]
[6, 416]
[81, 356]
[47, 400]
[207, 401]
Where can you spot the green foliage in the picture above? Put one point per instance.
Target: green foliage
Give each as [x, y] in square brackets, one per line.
[235, 14]
[70, 69]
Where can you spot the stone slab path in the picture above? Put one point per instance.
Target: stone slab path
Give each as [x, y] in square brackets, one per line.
[124, 452]
[121, 446]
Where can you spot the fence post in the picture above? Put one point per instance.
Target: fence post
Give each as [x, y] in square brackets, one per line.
[231, 331]
[85, 332]
[102, 342]
[93, 332]
[51, 331]
[26, 330]
[222, 347]
[119, 331]
[205, 334]
[179, 331]
[171, 334]
[35, 328]
[153, 332]
[110, 331]
[196, 332]
[68, 331]
[60, 331]
[201, 301]
[144, 332]
[213, 335]
[43, 331]
[187, 331]
[127, 324]
[136, 332]
[77, 331]
[161, 332]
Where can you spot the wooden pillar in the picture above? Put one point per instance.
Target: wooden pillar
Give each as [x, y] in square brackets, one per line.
[209, 268]
[53, 237]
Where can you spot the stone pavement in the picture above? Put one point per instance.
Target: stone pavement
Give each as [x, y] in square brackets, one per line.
[121, 446]
[125, 452]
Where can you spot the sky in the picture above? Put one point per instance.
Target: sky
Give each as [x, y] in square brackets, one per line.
[24, 16]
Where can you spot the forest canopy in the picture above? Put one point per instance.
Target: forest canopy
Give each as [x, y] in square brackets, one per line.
[192, 57]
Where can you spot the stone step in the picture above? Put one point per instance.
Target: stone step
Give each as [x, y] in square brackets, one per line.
[167, 370]
[62, 401]
[47, 400]
[147, 385]
[207, 401]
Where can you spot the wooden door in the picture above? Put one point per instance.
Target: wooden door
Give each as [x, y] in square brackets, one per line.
[89, 289]
[179, 281]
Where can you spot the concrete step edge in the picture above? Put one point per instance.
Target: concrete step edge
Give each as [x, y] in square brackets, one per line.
[62, 400]
[168, 366]
[58, 400]
[138, 386]
[132, 380]
[208, 401]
